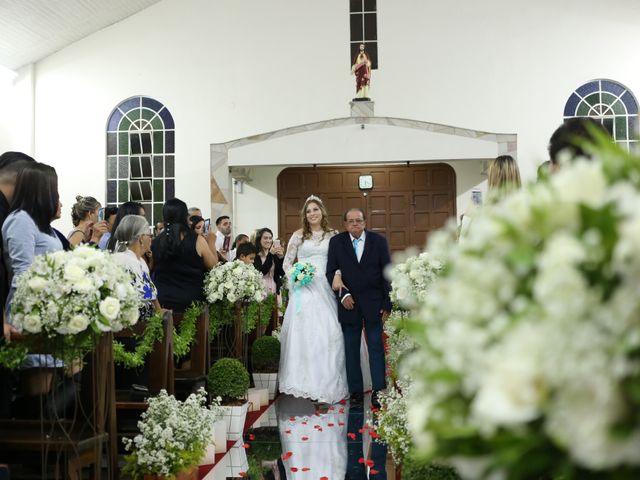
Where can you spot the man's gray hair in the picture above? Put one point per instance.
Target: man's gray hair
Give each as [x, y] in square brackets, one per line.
[130, 228]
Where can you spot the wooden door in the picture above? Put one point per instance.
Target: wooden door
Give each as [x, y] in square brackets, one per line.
[404, 205]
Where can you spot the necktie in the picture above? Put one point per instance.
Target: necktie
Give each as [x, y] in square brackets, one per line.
[355, 245]
[225, 243]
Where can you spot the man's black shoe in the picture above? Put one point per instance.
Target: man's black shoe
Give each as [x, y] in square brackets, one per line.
[356, 397]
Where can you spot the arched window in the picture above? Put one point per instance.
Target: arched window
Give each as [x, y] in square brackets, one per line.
[141, 155]
[609, 102]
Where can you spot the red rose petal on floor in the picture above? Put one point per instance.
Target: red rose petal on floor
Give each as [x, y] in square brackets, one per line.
[341, 424]
[293, 419]
[370, 463]
[288, 432]
[246, 445]
[242, 474]
[342, 402]
[304, 439]
[252, 436]
[304, 423]
[341, 410]
[324, 478]
[361, 460]
[361, 430]
[330, 424]
[306, 469]
[319, 429]
[317, 414]
[374, 434]
[332, 409]
[294, 469]
[352, 436]
[286, 456]
[373, 471]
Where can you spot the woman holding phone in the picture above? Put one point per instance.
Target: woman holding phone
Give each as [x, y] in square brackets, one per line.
[88, 228]
[269, 260]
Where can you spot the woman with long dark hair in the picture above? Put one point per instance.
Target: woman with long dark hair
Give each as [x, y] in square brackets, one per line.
[27, 232]
[181, 259]
[269, 260]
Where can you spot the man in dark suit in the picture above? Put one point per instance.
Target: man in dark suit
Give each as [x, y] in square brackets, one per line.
[355, 270]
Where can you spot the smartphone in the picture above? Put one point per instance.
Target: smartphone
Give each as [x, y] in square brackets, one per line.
[476, 197]
[151, 230]
[276, 243]
[101, 214]
[207, 225]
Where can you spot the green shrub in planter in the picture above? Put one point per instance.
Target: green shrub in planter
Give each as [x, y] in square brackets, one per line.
[415, 468]
[228, 379]
[265, 355]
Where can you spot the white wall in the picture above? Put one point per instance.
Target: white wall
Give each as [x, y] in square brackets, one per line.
[17, 110]
[229, 70]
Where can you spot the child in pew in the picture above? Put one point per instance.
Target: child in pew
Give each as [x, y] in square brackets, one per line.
[246, 253]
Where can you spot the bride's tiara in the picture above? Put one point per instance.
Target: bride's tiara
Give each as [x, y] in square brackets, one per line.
[314, 198]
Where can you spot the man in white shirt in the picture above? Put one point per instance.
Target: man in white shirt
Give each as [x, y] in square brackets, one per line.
[223, 236]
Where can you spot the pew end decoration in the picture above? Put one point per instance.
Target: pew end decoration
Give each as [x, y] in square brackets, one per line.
[528, 358]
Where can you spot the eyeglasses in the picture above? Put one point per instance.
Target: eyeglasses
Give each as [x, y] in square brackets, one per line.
[357, 220]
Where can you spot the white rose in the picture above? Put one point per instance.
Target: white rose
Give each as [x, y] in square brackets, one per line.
[32, 323]
[78, 323]
[17, 320]
[110, 308]
[37, 284]
[132, 316]
[582, 182]
[73, 273]
[84, 285]
[121, 291]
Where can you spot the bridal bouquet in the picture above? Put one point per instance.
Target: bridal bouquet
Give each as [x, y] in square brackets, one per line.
[234, 281]
[410, 279]
[173, 435]
[67, 293]
[301, 274]
[528, 363]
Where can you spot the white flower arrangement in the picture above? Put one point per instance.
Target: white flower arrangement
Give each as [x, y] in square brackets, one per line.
[67, 293]
[234, 281]
[411, 277]
[173, 434]
[529, 355]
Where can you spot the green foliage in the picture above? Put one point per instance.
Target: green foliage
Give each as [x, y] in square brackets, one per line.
[223, 313]
[415, 468]
[228, 379]
[13, 354]
[144, 344]
[265, 354]
[186, 333]
[264, 446]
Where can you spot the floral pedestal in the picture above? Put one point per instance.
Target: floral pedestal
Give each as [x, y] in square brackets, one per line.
[190, 474]
[220, 435]
[234, 417]
[268, 381]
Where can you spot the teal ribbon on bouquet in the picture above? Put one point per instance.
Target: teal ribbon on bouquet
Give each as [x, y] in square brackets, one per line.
[301, 275]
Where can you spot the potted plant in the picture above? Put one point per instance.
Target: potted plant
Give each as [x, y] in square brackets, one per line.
[229, 379]
[173, 438]
[265, 359]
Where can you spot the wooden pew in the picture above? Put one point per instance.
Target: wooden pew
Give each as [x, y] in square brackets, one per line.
[81, 436]
[194, 371]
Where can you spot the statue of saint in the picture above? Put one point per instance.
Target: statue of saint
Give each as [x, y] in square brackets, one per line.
[362, 70]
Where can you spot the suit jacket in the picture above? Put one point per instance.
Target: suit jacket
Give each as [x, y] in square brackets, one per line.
[365, 279]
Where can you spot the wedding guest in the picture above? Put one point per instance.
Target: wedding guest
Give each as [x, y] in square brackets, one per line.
[27, 232]
[133, 240]
[569, 138]
[87, 228]
[159, 228]
[182, 258]
[194, 211]
[11, 164]
[127, 208]
[223, 236]
[269, 260]
[197, 224]
[239, 240]
[247, 253]
[503, 177]
[110, 214]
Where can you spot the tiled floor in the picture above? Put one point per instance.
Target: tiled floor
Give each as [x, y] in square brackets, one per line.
[295, 439]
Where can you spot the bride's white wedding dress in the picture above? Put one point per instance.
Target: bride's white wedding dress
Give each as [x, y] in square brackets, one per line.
[312, 360]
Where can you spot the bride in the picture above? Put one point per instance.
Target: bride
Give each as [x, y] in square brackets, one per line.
[312, 359]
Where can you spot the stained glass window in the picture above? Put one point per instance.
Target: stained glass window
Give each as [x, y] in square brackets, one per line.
[610, 103]
[363, 21]
[141, 155]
